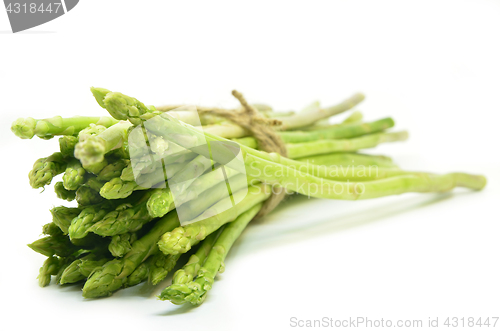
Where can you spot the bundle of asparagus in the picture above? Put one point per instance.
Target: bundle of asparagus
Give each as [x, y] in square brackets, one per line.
[125, 228]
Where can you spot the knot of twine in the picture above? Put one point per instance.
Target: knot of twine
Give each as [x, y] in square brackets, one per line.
[261, 128]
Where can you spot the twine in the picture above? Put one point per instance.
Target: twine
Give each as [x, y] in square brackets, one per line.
[261, 128]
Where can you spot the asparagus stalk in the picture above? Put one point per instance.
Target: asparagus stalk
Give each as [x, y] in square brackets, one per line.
[312, 186]
[155, 268]
[346, 159]
[49, 268]
[307, 118]
[181, 239]
[121, 244]
[187, 136]
[87, 267]
[125, 218]
[112, 276]
[67, 145]
[119, 188]
[140, 274]
[189, 210]
[51, 229]
[160, 202]
[92, 149]
[193, 265]
[338, 132]
[64, 263]
[47, 168]
[355, 118]
[59, 245]
[343, 145]
[233, 131]
[26, 128]
[88, 216]
[112, 170]
[294, 121]
[161, 265]
[87, 196]
[63, 193]
[62, 217]
[74, 175]
[120, 106]
[196, 291]
[81, 268]
[191, 171]
[308, 184]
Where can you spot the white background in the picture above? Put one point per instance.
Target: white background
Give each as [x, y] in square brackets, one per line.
[432, 65]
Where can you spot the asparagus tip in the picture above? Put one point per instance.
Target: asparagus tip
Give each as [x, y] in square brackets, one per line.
[24, 128]
[99, 94]
[90, 151]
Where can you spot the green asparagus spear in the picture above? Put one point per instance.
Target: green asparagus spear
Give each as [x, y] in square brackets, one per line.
[91, 131]
[81, 268]
[121, 244]
[74, 175]
[64, 263]
[51, 229]
[112, 276]
[112, 170]
[346, 159]
[307, 118]
[187, 273]
[160, 202]
[218, 193]
[94, 183]
[92, 149]
[119, 188]
[59, 245]
[155, 268]
[87, 217]
[125, 218]
[120, 106]
[343, 145]
[196, 291]
[62, 217]
[294, 121]
[181, 239]
[355, 118]
[67, 145]
[276, 167]
[140, 274]
[86, 196]
[26, 128]
[339, 132]
[161, 265]
[63, 193]
[49, 268]
[312, 186]
[47, 168]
